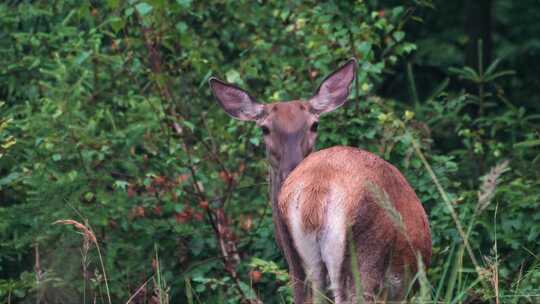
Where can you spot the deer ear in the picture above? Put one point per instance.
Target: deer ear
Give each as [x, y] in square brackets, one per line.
[333, 91]
[235, 101]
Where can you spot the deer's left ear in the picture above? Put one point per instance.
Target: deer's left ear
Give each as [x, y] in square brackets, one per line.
[334, 90]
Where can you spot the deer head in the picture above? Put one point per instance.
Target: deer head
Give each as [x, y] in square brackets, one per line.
[290, 127]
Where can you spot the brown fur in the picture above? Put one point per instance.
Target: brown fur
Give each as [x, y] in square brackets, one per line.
[289, 136]
[380, 241]
[287, 116]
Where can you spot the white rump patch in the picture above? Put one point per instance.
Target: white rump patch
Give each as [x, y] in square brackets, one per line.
[306, 244]
[333, 242]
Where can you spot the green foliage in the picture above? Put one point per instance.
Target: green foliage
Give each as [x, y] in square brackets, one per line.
[107, 120]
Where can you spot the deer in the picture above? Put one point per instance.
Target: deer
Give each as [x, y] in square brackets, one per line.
[324, 202]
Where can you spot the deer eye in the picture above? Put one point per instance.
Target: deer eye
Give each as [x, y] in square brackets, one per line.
[314, 127]
[265, 130]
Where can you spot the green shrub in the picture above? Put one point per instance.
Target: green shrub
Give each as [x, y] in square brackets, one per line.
[108, 121]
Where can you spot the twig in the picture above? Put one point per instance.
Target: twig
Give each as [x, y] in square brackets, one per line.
[216, 216]
[451, 209]
[138, 290]
[37, 269]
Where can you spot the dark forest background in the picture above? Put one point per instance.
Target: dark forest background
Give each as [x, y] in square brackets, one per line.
[121, 179]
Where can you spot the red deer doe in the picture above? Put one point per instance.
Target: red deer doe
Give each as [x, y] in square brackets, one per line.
[321, 200]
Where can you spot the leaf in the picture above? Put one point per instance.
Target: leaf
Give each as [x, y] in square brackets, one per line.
[143, 8]
[397, 11]
[250, 294]
[492, 66]
[408, 47]
[205, 79]
[189, 124]
[233, 76]
[439, 89]
[255, 141]
[364, 48]
[178, 207]
[184, 3]
[120, 184]
[499, 74]
[117, 24]
[9, 179]
[82, 57]
[181, 27]
[129, 11]
[465, 72]
[398, 36]
[527, 143]
[113, 3]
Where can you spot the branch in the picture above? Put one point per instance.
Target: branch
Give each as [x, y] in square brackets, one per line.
[216, 216]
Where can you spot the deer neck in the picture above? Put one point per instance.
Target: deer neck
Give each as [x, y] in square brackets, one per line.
[275, 181]
[282, 239]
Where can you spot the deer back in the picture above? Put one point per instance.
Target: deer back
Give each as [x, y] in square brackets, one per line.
[377, 202]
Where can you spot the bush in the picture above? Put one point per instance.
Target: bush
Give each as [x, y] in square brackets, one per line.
[108, 121]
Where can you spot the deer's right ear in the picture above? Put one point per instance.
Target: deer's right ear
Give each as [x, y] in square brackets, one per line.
[334, 90]
[235, 101]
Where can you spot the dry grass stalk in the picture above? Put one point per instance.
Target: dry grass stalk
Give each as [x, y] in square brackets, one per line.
[383, 200]
[89, 237]
[38, 272]
[87, 233]
[491, 272]
[139, 290]
[489, 185]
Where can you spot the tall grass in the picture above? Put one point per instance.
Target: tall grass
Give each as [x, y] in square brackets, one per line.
[89, 237]
[160, 285]
[160, 290]
[453, 285]
[488, 275]
[355, 272]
